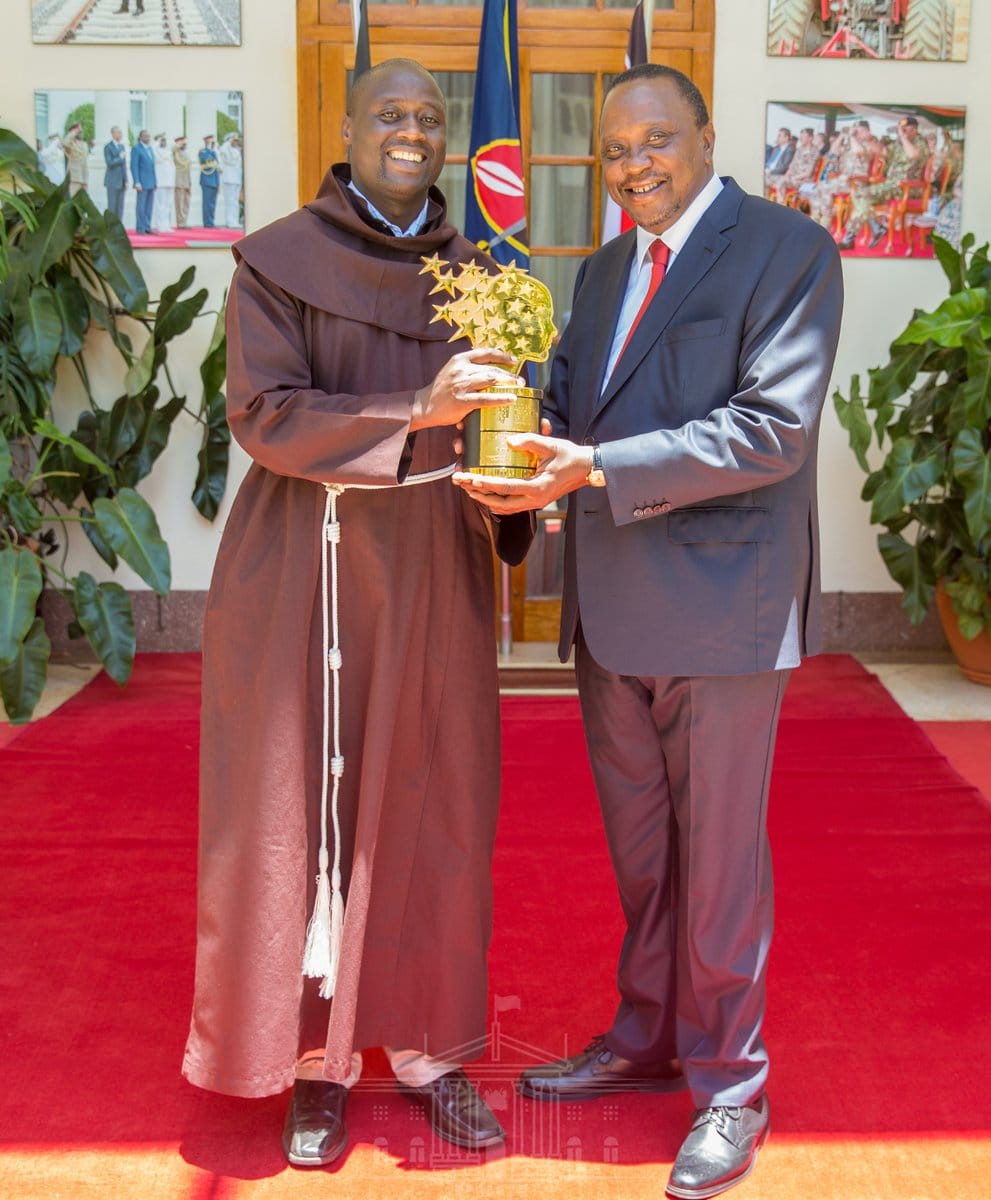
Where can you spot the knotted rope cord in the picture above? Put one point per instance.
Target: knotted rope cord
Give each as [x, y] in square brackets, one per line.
[325, 931]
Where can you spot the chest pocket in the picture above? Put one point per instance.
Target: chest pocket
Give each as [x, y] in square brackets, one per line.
[694, 329]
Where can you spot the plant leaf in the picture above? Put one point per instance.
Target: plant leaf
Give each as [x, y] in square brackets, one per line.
[20, 587]
[83, 453]
[15, 149]
[948, 323]
[912, 568]
[173, 317]
[58, 221]
[213, 458]
[951, 260]
[114, 259]
[103, 317]
[23, 680]
[127, 420]
[70, 299]
[911, 468]
[23, 511]
[6, 460]
[37, 328]
[103, 610]
[99, 544]
[141, 370]
[972, 467]
[976, 391]
[154, 437]
[853, 418]
[129, 526]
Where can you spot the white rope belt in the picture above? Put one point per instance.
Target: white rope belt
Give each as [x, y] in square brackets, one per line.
[325, 931]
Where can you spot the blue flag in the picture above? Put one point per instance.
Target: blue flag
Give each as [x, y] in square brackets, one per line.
[362, 54]
[495, 206]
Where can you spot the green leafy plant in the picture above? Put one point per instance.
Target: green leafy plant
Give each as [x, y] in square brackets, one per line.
[929, 411]
[70, 288]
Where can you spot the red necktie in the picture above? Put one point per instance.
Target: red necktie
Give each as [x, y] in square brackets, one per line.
[659, 254]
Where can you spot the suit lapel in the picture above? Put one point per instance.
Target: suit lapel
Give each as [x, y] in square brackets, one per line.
[696, 258]
[613, 289]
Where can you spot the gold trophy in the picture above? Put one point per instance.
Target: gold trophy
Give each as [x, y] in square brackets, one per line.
[510, 311]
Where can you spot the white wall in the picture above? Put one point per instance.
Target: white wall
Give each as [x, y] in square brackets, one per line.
[880, 294]
[264, 69]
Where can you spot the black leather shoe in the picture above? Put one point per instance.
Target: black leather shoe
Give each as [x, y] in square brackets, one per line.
[876, 238]
[597, 1071]
[846, 243]
[314, 1133]
[720, 1150]
[457, 1112]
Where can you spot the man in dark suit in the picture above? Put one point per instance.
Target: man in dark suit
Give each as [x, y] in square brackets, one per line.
[778, 158]
[115, 176]
[143, 174]
[684, 403]
[209, 179]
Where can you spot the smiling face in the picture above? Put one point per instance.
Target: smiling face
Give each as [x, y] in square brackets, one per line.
[396, 135]
[655, 157]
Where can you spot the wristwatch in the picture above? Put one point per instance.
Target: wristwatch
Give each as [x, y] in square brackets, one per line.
[596, 476]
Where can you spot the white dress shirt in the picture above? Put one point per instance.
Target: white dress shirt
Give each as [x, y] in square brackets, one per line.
[639, 281]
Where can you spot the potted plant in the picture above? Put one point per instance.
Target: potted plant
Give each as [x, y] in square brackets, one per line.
[929, 411]
[68, 282]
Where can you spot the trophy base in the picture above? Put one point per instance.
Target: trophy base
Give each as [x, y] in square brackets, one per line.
[485, 449]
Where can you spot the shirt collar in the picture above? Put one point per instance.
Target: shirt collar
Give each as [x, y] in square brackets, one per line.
[678, 234]
[415, 226]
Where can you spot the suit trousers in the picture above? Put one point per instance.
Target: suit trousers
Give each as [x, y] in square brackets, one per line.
[682, 766]
[115, 199]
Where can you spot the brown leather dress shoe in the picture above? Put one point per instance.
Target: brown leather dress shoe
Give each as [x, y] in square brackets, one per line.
[597, 1071]
[457, 1112]
[314, 1133]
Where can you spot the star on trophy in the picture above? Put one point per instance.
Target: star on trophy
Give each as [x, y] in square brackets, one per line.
[509, 311]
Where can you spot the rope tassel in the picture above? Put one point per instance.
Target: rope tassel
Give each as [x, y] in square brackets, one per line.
[325, 931]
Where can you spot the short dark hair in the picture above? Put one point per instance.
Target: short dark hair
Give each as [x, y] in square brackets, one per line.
[692, 95]
[809, 130]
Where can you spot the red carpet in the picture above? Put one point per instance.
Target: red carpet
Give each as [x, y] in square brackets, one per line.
[191, 238]
[880, 973]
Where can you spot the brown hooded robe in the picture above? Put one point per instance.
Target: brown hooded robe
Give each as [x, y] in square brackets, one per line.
[329, 337]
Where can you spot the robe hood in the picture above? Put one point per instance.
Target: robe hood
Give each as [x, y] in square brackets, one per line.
[326, 255]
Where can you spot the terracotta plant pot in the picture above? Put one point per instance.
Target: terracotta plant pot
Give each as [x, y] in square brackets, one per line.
[973, 655]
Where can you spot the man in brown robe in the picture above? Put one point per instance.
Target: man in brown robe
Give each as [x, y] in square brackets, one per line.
[337, 376]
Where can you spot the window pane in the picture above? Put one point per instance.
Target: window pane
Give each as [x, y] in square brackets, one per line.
[458, 88]
[562, 117]
[560, 206]
[452, 183]
[559, 274]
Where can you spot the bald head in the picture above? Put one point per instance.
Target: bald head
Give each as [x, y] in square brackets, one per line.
[384, 71]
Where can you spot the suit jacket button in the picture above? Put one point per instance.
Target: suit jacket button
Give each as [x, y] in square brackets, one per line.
[664, 507]
[637, 514]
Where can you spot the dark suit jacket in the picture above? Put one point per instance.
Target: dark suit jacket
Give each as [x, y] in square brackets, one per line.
[143, 165]
[778, 166]
[115, 157]
[701, 556]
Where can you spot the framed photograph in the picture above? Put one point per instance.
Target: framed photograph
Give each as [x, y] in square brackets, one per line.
[169, 164]
[137, 22]
[881, 178]
[930, 30]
